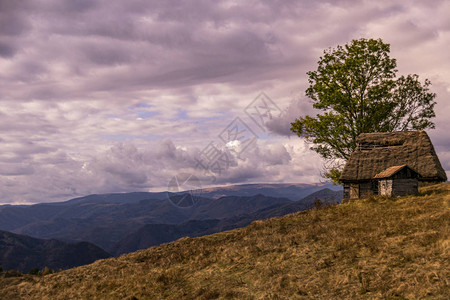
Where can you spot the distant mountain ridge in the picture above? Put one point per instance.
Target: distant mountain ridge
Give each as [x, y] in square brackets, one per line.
[104, 224]
[107, 219]
[21, 252]
[155, 234]
[291, 191]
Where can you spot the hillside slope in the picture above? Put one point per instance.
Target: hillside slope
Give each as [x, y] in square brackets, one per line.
[374, 248]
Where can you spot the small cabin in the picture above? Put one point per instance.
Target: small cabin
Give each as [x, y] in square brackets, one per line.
[398, 181]
[390, 163]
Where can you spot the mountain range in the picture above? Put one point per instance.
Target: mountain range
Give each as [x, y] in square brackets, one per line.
[24, 253]
[155, 234]
[123, 223]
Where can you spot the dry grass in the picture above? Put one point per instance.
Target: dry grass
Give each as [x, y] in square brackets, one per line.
[374, 248]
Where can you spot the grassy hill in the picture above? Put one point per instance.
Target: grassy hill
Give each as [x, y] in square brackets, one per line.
[374, 248]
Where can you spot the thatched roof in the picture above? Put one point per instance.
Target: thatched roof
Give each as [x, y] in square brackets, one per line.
[391, 171]
[381, 150]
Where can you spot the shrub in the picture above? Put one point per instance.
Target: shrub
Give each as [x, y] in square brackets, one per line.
[13, 273]
[34, 271]
[47, 271]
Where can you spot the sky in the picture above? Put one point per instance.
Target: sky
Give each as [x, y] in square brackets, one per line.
[103, 96]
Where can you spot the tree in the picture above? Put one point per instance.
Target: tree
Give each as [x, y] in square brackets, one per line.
[356, 89]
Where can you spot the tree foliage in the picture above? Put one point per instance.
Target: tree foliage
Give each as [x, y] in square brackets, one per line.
[356, 89]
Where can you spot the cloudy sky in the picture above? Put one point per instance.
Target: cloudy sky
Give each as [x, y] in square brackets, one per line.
[100, 96]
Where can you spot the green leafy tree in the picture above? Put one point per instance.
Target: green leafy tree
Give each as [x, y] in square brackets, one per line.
[356, 90]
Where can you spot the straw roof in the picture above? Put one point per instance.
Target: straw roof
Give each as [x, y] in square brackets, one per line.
[390, 171]
[379, 151]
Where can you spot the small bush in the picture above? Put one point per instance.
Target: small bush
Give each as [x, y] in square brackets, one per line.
[34, 271]
[13, 273]
[47, 271]
[317, 203]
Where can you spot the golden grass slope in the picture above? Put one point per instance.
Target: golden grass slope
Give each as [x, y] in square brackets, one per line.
[373, 248]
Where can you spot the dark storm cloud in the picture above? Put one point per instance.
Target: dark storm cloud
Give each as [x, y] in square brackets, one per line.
[282, 124]
[15, 169]
[169, 44]
[13, 24]
[13, 18]
[26, 124]
[7, 50]
[158, 44]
